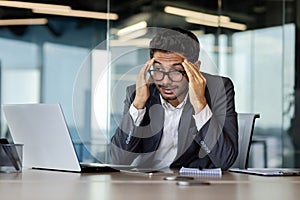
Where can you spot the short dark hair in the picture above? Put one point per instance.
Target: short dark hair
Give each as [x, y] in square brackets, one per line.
[176, 40]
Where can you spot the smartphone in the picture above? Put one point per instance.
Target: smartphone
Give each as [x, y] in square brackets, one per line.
[178, 178]
[192, 183]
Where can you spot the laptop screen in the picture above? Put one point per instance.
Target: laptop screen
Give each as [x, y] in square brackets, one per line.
[43, 131]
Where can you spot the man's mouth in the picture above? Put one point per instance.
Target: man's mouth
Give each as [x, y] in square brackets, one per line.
[167, 89]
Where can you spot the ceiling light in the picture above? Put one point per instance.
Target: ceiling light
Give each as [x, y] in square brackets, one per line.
[194, 14]
[132, 28]
[78, 13]
[62, 10]
[233, 25]
[28, 5]
[139, 42]
[33, 21]
[204, 18]
[202, 22]
[230, 25]
[133, 35]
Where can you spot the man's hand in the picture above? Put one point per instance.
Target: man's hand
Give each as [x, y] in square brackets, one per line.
[142, 86]
[197, 84]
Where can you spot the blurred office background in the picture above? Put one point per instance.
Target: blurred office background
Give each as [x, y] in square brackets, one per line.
[83, 54]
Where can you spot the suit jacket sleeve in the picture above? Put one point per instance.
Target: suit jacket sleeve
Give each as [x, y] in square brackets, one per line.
[220, 134]
[124, 147]
[129, 141]
[216, 143]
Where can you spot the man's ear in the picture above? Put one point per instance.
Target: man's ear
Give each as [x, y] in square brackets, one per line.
[198, 63]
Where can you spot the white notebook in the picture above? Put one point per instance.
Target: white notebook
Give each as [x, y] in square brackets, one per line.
[215, 172]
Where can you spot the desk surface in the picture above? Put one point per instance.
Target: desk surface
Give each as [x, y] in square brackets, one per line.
[42, 184]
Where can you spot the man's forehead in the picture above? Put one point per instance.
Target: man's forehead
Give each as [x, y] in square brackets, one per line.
[168, 63]
[168, 56]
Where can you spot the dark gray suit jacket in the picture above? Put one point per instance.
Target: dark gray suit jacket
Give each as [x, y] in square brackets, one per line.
[214, 145]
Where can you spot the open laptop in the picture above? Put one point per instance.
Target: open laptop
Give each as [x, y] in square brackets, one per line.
[47, 142]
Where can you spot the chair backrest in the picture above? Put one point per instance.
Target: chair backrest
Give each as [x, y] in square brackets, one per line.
[246, 123]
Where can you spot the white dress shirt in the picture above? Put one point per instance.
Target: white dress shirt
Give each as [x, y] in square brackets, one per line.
[167, 149]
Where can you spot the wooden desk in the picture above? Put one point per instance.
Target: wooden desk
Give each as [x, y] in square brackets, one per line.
[44, 185]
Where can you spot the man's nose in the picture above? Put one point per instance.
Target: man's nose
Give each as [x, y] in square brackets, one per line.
[166, 79]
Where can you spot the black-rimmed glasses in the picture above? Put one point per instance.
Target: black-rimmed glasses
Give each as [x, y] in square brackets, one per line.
[174, 75]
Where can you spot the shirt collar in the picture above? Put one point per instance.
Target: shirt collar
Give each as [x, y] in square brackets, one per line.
[167, 105]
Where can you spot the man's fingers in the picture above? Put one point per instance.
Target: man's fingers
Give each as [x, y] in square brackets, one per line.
[148, 65]
[143, 72]
[191, 70]
[195, 76]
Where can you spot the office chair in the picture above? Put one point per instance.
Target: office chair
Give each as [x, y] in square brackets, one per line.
[246, 123]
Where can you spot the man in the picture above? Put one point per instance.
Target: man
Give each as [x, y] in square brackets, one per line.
[179, 116]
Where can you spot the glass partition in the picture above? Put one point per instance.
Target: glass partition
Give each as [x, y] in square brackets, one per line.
[86, 64]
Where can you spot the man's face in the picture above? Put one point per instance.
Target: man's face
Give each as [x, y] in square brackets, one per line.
[173, 92]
